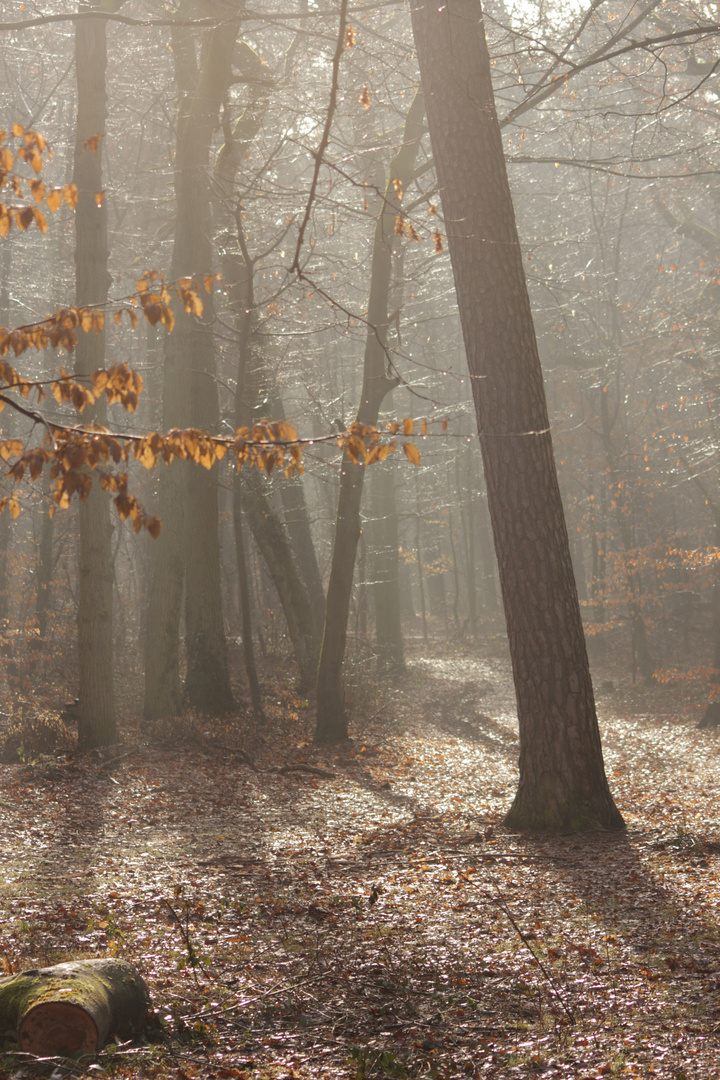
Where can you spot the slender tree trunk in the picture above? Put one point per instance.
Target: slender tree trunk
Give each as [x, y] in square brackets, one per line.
[287, 551]
[361, 593]
[641, 659]
[562, 777]
[456, 576]
[297, 523]
[96, 725]
[7, 430]
[331, 716]
[245, 611]
[251, 492]
[421, 582]
[188, 493]
[488, 561]
[386, 587]
[44, 570]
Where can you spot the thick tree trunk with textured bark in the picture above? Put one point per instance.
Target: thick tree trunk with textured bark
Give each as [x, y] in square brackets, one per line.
[73, 1008]
[562, 778]
[377, 382]
[96, 725]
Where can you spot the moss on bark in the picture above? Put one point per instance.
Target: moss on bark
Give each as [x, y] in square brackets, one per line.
[73, 1008]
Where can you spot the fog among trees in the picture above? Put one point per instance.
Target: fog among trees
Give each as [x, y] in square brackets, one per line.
[269, 218]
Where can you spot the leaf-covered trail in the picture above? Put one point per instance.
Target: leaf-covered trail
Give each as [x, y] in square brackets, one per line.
[379, 922]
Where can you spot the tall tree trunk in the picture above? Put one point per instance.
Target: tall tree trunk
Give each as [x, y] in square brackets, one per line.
[8, 425]
[562, 777]
[297, 523]
[287, 551]
[246, 614]
[641, 659]
[251, 492]
[386, 580]
[44, 569]
[421, 577]
[331, 716]
[96, 724]
[191, 538]
[468, 534]
[487, 560]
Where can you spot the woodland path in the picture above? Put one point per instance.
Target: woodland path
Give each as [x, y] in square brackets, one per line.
[379, 922]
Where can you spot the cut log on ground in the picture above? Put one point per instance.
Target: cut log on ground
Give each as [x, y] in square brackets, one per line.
[73, 1008]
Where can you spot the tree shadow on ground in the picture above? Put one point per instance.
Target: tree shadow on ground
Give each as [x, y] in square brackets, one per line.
[637, 896]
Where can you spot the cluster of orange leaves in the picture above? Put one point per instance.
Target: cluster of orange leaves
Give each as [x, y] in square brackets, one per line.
[59, 330]
[407, 229]
[362, 443]
[672, 675]
[73, 452]
[31, 149]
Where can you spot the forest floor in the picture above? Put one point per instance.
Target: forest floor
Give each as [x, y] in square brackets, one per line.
[373, 919]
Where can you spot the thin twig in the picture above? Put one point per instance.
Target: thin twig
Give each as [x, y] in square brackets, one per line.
[548, 974]
[119, 757]
[212, 1013]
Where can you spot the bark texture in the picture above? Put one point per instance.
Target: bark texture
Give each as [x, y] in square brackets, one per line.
[96, 725]
[562, 778]
[73, 1008]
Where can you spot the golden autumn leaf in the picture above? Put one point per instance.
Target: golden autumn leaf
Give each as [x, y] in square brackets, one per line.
[437, 237]
[99, 198]
[364, 98]
[5, 220]
[40, 220]
[350, 37]
[355, 449]
[24, 217]
[208, 282]
[153, 313]
[90, 146]
[54, 200]
[18, 130]
[14, 506]
[424, 426]
[412, 453]
[11, 448]
[408, 426]
[70, 195]
[192, 303]
[398, 189]
[35, 158]
[38, 190]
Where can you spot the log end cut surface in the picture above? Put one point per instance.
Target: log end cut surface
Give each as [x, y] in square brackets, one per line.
[54, 1028]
